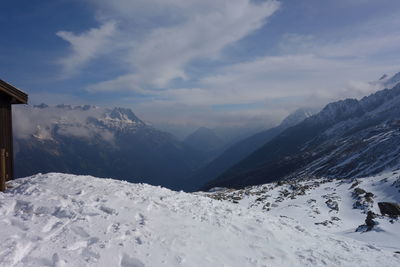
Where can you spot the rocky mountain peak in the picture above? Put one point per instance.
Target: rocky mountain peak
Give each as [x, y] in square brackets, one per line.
[123, 114]
[297, 116]
[340, 110]
[384, 76]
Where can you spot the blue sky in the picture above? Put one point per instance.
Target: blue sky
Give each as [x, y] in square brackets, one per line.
[190, 63]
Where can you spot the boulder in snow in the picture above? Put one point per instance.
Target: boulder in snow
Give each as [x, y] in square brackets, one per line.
[389, 208]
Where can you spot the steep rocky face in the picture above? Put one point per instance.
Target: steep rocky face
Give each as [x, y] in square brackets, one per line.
[348, 138]
[297, 116]
[103, 142]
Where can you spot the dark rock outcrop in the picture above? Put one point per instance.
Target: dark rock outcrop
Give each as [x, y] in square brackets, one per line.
[389, 208]
[369, 221]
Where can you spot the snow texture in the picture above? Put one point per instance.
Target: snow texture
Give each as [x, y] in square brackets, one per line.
[66, 220]
[337, 206]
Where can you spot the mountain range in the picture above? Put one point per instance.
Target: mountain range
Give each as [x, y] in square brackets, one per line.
[347, 138]
[98, 141]
[243, 148]
[115, 143]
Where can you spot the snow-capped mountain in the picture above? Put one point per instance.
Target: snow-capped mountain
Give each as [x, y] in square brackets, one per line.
[99, 141]
[66, 220]
[297, 116]
[348, 138]
[121, 119]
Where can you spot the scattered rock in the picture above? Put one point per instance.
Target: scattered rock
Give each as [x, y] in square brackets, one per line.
[364, 199]
[324, 223]
[358, 191]
[369, 194]
[285, 192]
[389, 208]
[333, 205]
[354, 184]
[368, 197]
[236, 198]
[311, 201]
[369, 221]
[357, 205]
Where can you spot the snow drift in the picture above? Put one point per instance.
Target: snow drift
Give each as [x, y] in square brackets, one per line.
[66, 220]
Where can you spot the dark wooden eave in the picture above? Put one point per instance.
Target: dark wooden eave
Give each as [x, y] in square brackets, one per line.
[17, 96]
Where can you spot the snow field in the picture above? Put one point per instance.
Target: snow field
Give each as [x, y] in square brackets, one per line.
[66, 220]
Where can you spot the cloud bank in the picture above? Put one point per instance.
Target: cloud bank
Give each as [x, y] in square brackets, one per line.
[178, 66]
[43, 123]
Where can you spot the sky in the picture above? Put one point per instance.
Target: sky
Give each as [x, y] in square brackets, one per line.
[191, 63]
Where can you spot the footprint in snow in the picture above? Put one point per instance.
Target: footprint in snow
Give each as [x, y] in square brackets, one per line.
[19, 224]
[51, 224]
[140, 219]
[57, 262]
[115, 227]
[24, 209]
[80, 231]
[127, 261]
[108, 210]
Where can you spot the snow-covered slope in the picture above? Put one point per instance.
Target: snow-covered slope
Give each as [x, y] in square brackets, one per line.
[66, 220]
[337, 206]
[348, 138]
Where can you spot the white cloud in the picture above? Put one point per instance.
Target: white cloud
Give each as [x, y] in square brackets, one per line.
[43, 123]
[185, 31]
[160, 38]
[85, 46]
[279, 78]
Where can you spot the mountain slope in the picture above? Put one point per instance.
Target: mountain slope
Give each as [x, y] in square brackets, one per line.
[102, 142]
[338, 206]
[206, 141]
[66, 220]
[245, 147]
[348, 138]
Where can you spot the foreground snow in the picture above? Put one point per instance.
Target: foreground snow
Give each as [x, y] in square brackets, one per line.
[66, 220]
[328, 205]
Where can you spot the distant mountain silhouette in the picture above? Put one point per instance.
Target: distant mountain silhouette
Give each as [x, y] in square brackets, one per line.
[241, 149]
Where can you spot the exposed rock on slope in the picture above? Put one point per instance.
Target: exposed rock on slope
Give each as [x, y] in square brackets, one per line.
[355, 208]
